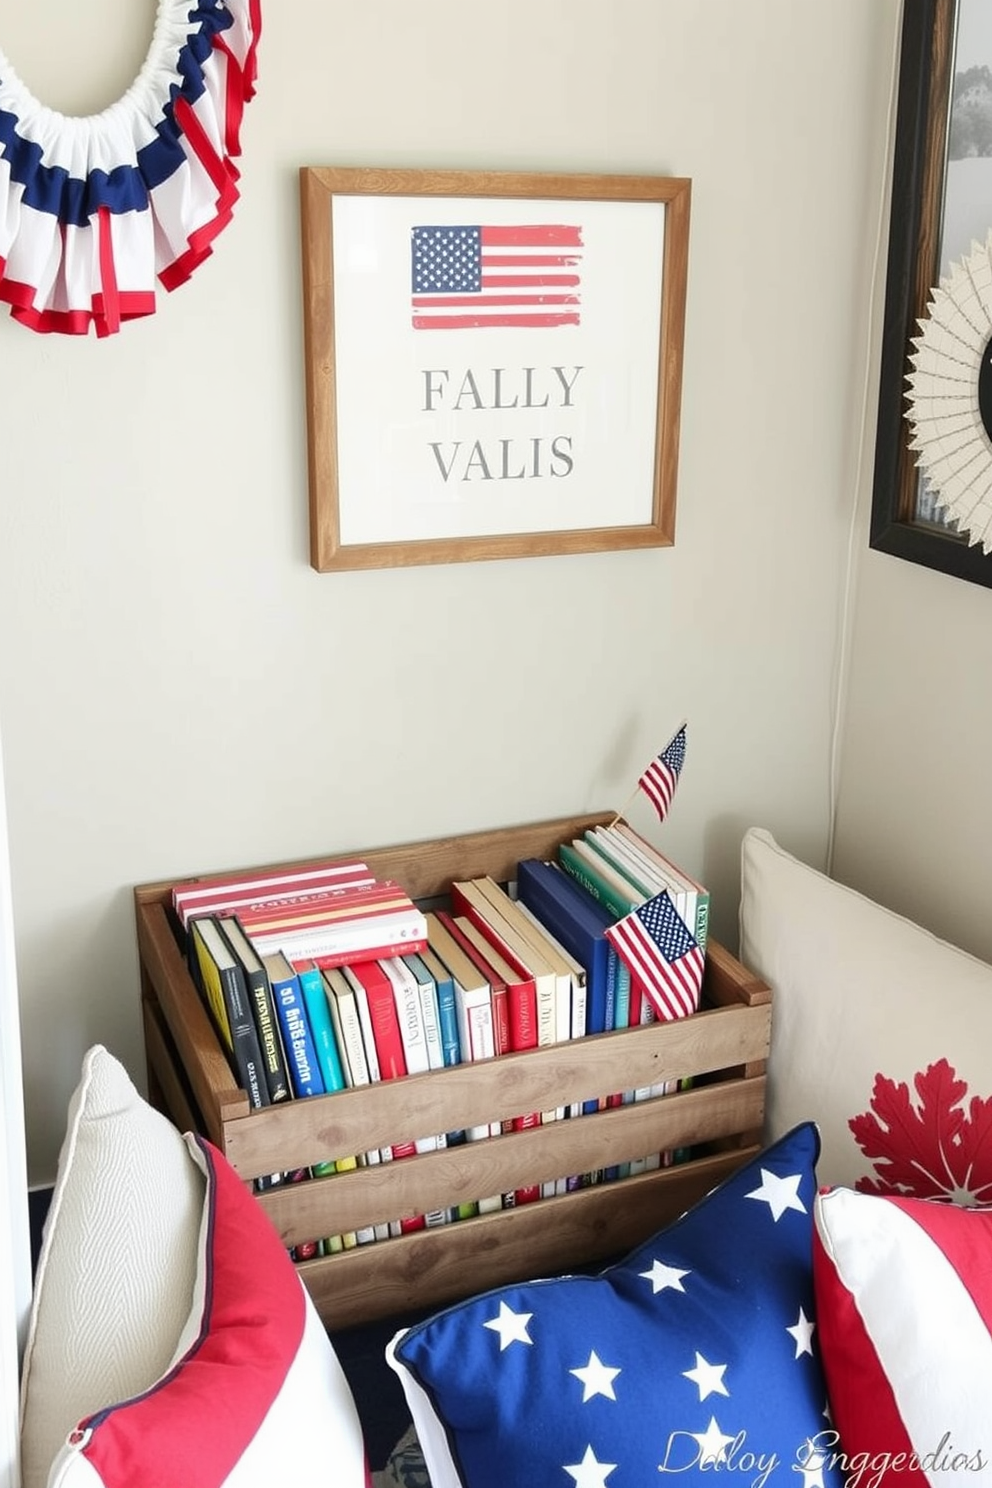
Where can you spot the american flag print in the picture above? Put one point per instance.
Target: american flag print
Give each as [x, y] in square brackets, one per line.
[697, 1352]
[879, 1261]
[661, 776]
[473, 277]
[658, 949]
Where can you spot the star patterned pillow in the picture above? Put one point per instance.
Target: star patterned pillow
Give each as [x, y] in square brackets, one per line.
[697, 1352]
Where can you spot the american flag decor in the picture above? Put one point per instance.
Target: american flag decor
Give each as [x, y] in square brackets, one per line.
[657, 948]
[659, 780]
[468, 278]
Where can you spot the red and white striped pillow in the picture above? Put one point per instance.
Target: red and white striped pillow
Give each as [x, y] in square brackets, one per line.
[904, 1315]
[255, 1394]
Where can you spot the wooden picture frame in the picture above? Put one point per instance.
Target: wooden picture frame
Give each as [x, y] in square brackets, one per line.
[904, 521]
[452, 418]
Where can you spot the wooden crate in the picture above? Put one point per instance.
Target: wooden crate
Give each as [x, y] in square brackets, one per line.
[723, 1047]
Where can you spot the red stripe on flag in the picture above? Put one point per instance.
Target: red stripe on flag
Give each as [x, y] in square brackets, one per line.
[964, 1246]
[529, 281]
[531, 236]
[531, 260]
[461, 322]
[861, 1397]
[658, 785]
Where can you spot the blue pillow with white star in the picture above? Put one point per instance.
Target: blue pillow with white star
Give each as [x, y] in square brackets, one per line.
[696, 1354]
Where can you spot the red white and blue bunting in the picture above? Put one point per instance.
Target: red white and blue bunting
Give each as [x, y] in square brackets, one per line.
[94, 212]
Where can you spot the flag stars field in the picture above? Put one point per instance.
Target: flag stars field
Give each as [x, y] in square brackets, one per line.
[511, 1326]
[778, 1193]
[802, 1332]
[589, 1473]
[708, 1378]
[664, 1278]
[597, 1378]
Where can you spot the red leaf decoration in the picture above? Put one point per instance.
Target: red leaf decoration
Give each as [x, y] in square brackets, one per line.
[931, 1148]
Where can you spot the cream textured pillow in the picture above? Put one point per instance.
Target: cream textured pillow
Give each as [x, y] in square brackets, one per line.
[880, 1033]
[255, 1395]
[118, 1261]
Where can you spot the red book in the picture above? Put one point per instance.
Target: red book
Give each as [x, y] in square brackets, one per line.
[458, 929]
[519, 979]
[383, 1016]
[507, 987]
[388, 1048]
[229, 891]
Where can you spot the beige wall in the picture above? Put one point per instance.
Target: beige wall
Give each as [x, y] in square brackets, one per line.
[914, 827]
[180, 691]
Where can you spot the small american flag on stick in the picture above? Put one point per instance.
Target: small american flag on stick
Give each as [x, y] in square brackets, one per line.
[474, 276]
[659, 780]
[660, 952]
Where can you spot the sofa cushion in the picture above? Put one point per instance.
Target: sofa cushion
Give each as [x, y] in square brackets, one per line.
[904, 1306]
[117, 1261]
[655, 1367]
[254, 1394]
[880, 1032]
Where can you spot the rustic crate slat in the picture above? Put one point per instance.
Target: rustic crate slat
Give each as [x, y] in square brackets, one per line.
[435, 1267]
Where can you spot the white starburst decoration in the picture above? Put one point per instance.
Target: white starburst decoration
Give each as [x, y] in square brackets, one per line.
[950, 440]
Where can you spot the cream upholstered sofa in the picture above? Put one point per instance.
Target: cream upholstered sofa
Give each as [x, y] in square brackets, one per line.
[172, 1343]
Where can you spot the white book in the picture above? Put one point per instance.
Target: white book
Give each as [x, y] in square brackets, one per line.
[515, 937]
[645, 869]
[500, 913]
[428, 1006]
[375, 1154]
[571, 1013]
[572, 1009]
[697, 892]
[406, 995]
[474, 1015]
[435, 1058]
[343, 1008]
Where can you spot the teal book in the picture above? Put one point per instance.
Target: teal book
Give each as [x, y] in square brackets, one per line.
[447, 1012]
[447, 1018]
[617, 896]
[321, 1027]
[427, 989]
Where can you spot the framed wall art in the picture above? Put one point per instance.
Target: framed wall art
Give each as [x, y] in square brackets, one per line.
[941, 211]
[493, 363]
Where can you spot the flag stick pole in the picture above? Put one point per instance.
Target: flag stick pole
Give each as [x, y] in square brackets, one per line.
[623, 808]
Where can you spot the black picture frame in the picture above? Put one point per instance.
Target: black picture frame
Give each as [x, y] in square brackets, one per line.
[923, 108]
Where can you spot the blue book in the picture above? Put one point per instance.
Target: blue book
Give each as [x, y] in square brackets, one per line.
[301, 1052]
[321, 1027]
[447, 1013]
[447, 1017]
[574, 918]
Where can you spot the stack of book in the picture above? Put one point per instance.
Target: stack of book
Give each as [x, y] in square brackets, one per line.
[326, 979]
